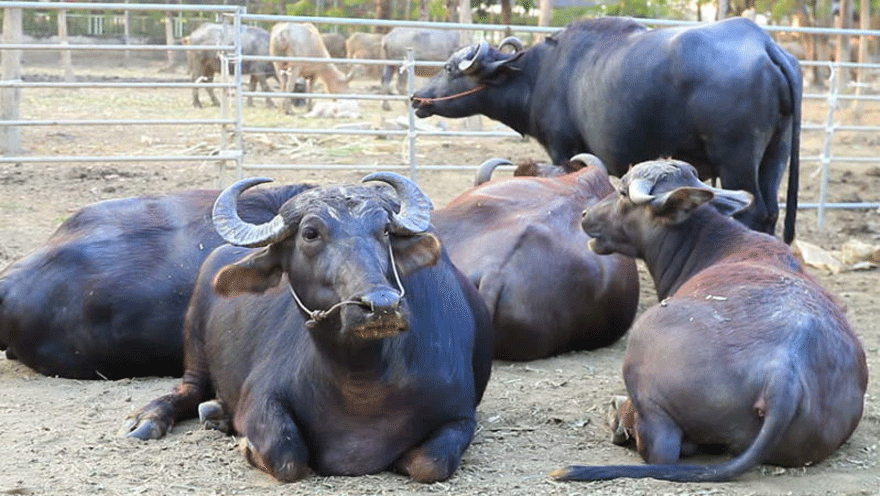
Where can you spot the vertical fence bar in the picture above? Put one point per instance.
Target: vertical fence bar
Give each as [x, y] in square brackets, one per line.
[239, 111]
[11, 70]
[66, 61]
[411, 133]
[826, 148]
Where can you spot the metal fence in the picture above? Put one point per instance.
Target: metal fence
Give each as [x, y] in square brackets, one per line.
[231, 119]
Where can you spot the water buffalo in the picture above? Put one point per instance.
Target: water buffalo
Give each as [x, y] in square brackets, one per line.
[289, 39]
[347, 343]
[722, 96]
[361, 45]
[429, 45]
[519, 241]
[105, 296]
[745, 350]
[203, 64]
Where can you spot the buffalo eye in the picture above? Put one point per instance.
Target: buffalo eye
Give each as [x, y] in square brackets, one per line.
[309, 233]
[448, 68]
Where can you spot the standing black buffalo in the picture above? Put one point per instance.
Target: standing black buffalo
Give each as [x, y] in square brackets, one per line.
[348, 344]
[105, 296]
[722, 96]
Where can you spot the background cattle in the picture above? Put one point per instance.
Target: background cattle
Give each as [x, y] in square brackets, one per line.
[335, 44]
[745, 350]
[105, 296]
[361, 45]
[289, 39]
[519, 241]
[347, 343]
[722, 96]
[203, 64]
[430, 45]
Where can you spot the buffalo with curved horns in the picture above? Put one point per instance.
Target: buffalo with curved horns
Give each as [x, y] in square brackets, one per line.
[744, 351]
[344, 341]
[723, 96]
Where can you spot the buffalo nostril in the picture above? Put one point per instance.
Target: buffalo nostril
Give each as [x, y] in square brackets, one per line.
[382, 301]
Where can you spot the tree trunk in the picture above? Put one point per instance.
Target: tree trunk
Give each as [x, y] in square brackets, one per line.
[506, 12]
[383, 11]
[864, 25]
[723, 8]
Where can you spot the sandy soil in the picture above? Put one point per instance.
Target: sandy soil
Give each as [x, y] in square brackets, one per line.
[60, 437]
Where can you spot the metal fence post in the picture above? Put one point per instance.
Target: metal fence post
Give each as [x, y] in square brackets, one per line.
[410, 88]
[10, 98]
[238, 139]
[826, 148]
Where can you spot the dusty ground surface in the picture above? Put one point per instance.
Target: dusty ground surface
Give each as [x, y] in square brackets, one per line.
[59, 436]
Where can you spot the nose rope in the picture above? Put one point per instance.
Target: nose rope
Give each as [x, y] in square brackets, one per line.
[471, 91]
[316, 315]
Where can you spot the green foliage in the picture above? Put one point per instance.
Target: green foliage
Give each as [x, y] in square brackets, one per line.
[301, 8]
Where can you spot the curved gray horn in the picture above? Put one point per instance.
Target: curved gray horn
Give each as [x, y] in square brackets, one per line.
[469, 66]
[238, 232]
[639, 191]
[590, 160]
[511, 41]
[415, 206]
[484, 173]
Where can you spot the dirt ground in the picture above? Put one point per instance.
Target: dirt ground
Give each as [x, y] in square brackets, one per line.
[59, 436]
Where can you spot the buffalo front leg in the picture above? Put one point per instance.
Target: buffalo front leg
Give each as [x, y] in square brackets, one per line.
[156, 418]
[439, 456]
[272, 441]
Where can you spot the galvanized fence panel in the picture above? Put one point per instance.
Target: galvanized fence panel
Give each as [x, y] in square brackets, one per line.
[231, 117]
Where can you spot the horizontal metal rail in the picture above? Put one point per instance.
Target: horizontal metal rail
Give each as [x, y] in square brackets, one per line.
[116, 122]
[112, 47]
[120, 84]
[222, 155]
[220, 9]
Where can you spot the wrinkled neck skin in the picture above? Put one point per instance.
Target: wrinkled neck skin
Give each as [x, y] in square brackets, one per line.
[679, 252]
[510, 102]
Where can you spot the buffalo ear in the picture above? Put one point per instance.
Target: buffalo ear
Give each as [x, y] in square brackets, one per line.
[255, 273]
[677, 205]
[415, 252]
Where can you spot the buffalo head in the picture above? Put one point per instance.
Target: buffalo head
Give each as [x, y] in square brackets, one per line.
[454, 91]
[653, 196]
[344, 250]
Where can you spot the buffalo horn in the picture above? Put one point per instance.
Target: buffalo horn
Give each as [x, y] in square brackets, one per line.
[484, 173]
[590, 160]
[640, 191]
[469, 66]
[238, 232]
[415, 207]
[513, 42]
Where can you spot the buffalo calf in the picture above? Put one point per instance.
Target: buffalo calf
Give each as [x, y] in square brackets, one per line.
[745, 350]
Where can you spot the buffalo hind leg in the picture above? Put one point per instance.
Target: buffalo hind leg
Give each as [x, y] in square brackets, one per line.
[438, 457]
[273, 442]
[622, 419]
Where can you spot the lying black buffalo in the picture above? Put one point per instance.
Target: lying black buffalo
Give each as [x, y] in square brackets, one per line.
[106, 294]
[347, 343]
[722, 96]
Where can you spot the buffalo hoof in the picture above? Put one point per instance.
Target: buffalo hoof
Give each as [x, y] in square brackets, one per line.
[144, 430]
[286, 471]
[620, 417]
